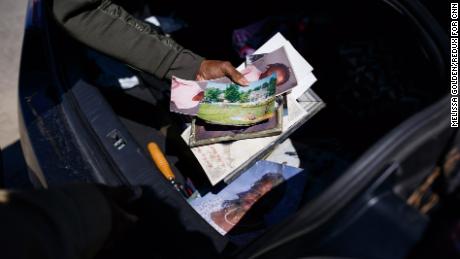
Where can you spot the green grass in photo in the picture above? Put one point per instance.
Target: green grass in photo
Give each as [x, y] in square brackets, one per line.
[237, 113]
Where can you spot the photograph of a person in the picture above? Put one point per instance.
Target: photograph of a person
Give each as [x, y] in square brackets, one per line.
[261, 66]
[230, 104]
[186, 95]
[232, 211]
[226, 209]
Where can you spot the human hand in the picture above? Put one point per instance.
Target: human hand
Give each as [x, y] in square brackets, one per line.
[211, 69]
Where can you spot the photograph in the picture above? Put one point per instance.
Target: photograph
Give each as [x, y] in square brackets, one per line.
[232, 211]
[203, 133]
[186, 95]
[226, 209]
[262, 65]
[231, 104]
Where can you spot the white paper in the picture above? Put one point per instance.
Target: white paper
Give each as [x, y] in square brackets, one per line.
[285, 153]
[221, 159]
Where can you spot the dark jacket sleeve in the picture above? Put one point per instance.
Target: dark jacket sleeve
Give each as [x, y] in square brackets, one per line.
[108, 28]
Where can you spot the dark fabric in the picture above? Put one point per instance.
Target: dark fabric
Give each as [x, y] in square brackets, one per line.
[59, 223]
[94, 221]
[109, 28]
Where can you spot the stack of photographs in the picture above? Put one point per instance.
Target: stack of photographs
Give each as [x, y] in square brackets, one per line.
[225, 111]
[229, 118]
[203, 133]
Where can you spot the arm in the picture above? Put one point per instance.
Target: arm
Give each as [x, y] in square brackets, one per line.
[108, 28]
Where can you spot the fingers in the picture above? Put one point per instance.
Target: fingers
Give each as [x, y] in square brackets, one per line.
[233, 74]
[211, 69]
[200, 77]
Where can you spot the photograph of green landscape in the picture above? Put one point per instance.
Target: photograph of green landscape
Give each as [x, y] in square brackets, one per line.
[231, 104]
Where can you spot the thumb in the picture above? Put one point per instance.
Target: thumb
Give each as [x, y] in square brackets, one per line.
[235, 75]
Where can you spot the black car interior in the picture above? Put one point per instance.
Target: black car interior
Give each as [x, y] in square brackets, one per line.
[375, 66]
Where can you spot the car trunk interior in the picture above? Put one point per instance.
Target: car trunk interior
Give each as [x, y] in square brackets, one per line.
[373, 66]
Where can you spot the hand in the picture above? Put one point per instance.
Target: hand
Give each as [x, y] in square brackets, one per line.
[211, 69]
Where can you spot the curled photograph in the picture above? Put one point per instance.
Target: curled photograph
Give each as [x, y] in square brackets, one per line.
[186, 95]
[231, 104]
